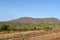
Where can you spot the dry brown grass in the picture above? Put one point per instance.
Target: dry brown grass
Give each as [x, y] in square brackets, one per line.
[12, 35]
[51, 36]
[15, 34]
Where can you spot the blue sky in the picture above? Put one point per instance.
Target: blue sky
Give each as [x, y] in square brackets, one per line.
[13, 9]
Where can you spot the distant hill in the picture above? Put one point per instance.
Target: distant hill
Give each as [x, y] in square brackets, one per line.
[29, 20]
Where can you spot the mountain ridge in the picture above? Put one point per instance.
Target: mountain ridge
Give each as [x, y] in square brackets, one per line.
[29, 20]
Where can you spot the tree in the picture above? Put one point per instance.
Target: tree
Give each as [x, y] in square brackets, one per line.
[4, 27]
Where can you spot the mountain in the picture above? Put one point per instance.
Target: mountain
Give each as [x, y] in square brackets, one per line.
[29, 20]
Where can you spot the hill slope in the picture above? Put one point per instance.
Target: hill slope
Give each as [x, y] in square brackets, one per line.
[29, 20]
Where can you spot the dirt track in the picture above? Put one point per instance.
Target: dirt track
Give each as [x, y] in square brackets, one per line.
[52, 36]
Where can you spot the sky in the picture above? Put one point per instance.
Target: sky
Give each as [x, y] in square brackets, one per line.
[13, 9]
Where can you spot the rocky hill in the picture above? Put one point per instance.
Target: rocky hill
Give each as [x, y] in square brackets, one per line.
[29, 20]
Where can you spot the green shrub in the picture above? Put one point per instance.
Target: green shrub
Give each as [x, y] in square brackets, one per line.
[4, 28]
[46, 27]
[12, 29]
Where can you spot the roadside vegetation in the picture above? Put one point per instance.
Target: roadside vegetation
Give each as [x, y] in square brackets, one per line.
[46, 27]
[7, 31]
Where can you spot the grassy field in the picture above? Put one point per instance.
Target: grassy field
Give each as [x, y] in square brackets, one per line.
[4, 35]
[7, 32]
[24, 34]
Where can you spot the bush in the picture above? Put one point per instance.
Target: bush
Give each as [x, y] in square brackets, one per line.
[46, 27]
[12, 29]
[4, 28]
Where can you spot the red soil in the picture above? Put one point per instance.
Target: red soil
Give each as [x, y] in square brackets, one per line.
[52, 36]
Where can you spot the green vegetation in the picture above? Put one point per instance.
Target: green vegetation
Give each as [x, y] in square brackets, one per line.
[27, 24]
[4, 28]
[46, 27]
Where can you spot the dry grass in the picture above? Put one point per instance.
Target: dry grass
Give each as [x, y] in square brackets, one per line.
[15, 34]
[12, 35]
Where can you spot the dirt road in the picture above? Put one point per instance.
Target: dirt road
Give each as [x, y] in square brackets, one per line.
[52, 36]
